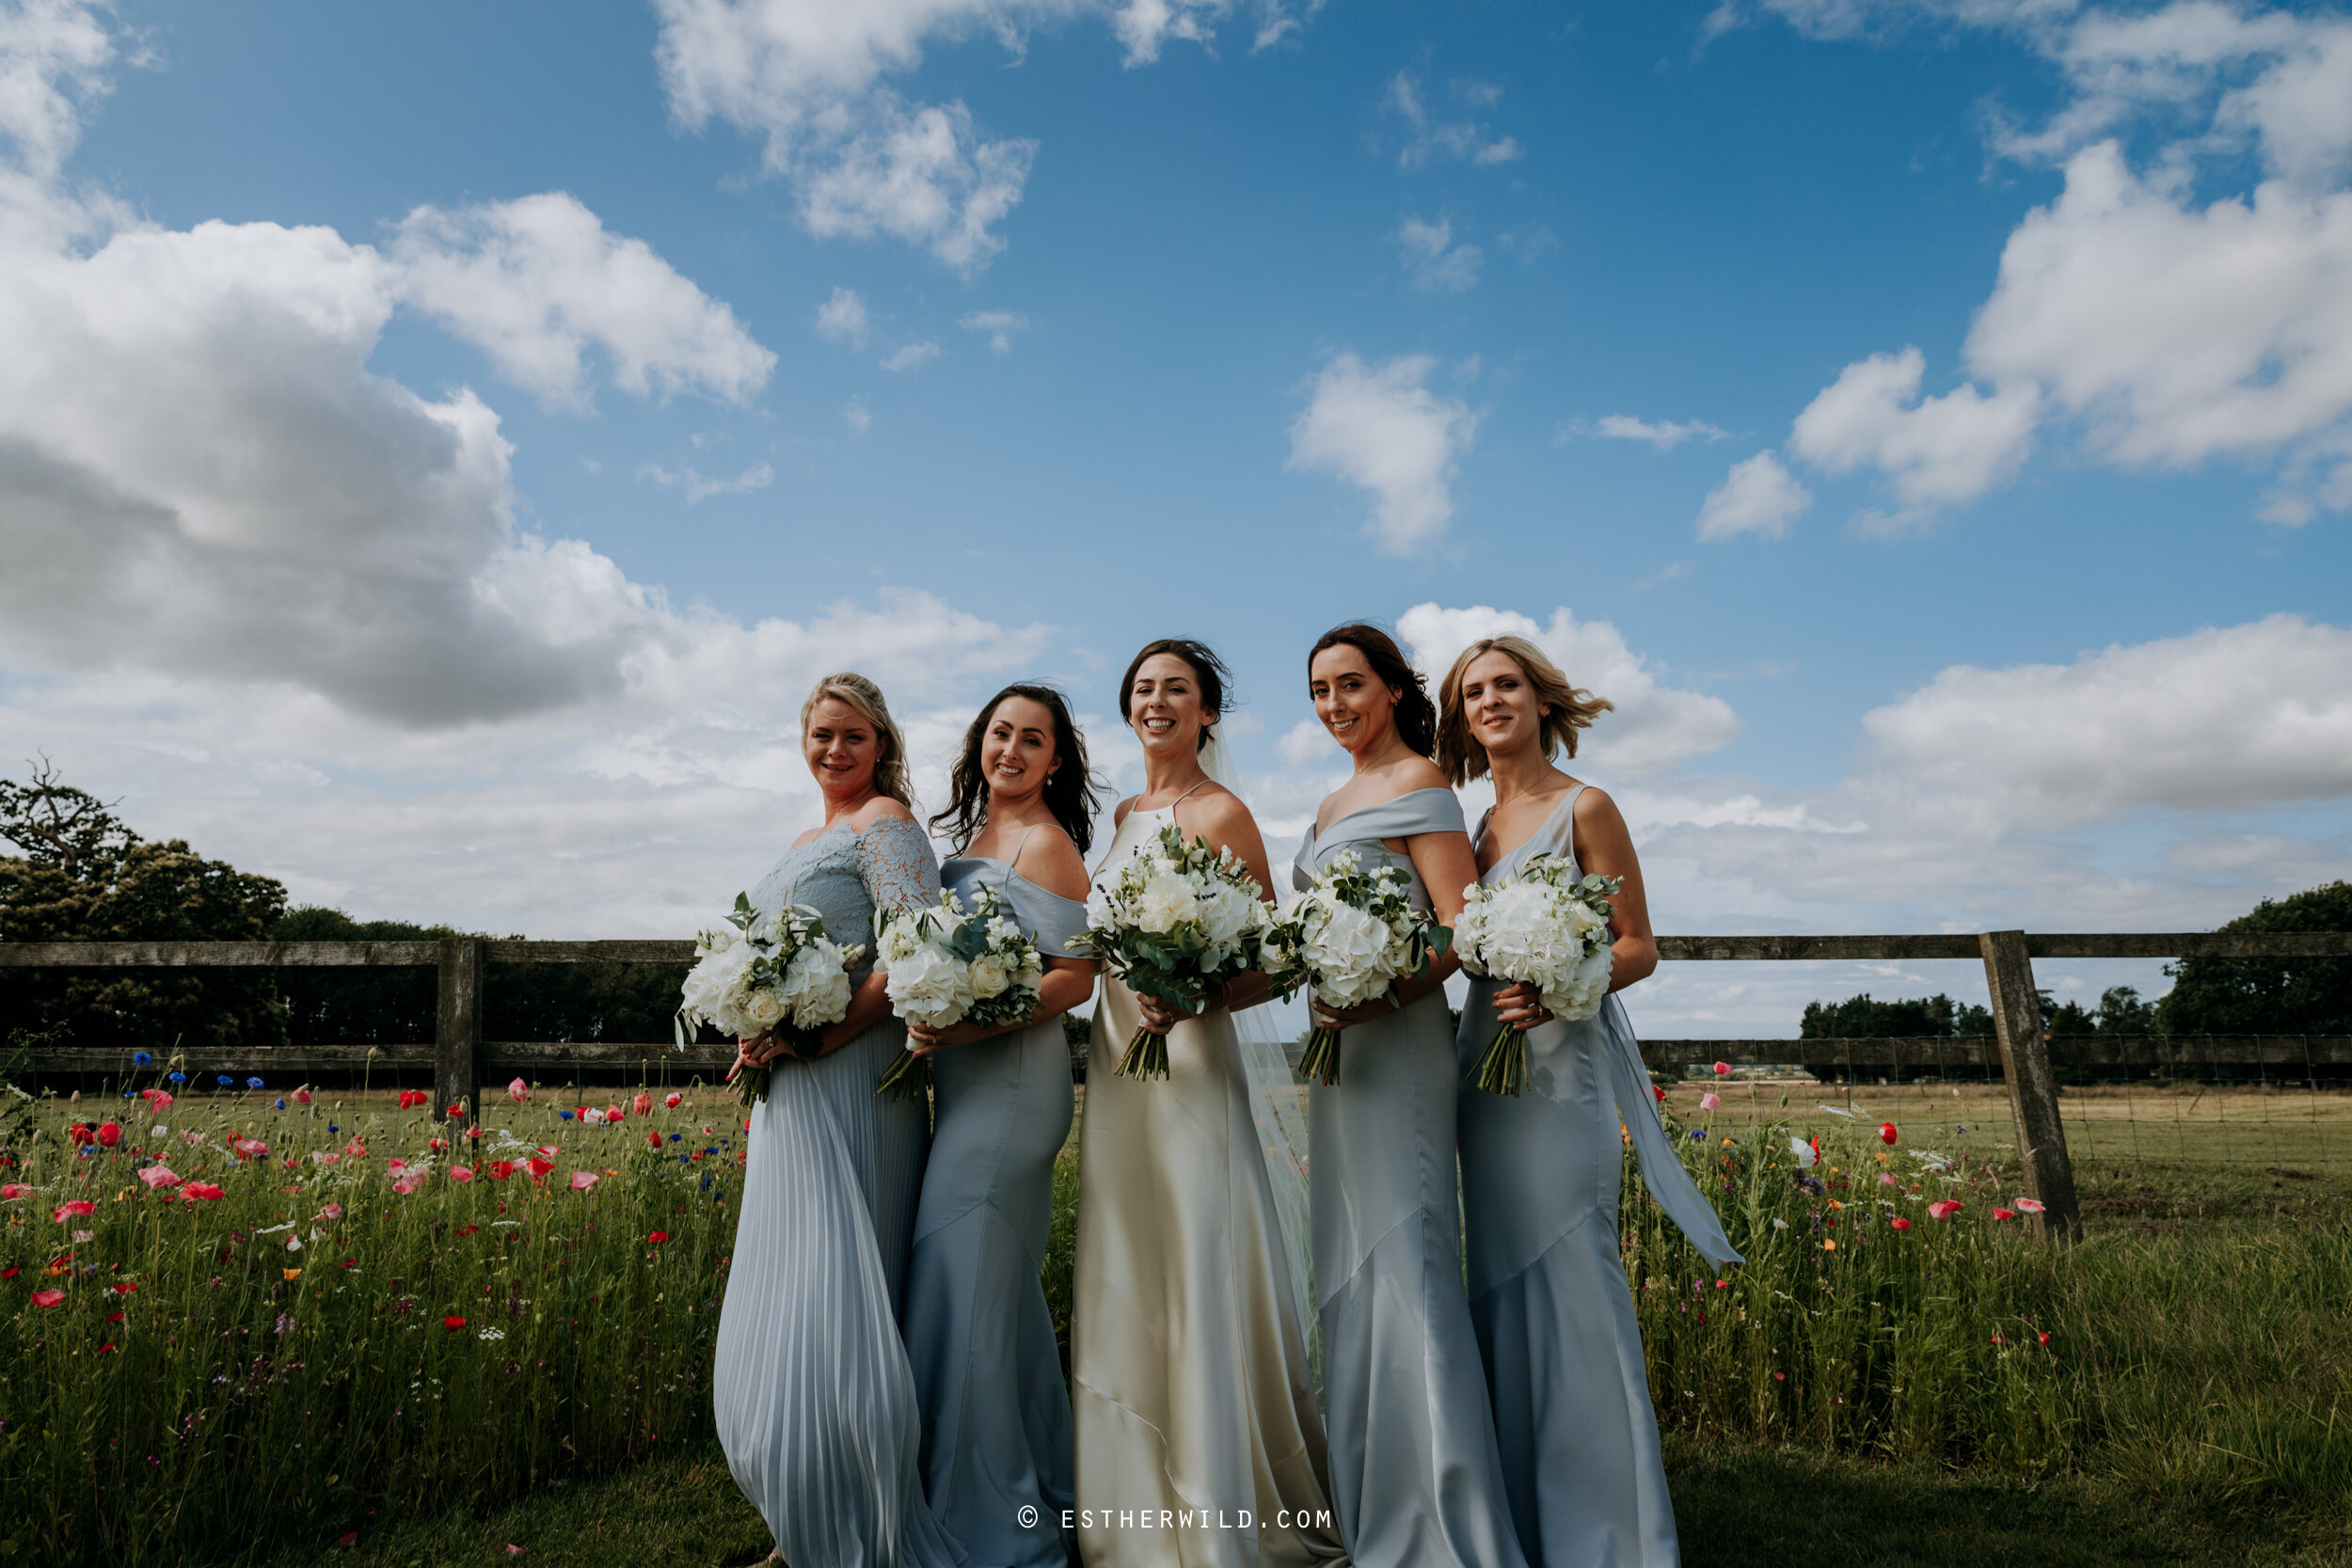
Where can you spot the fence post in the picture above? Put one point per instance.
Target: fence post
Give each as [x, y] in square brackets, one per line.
[458, 1028]
[2032, 1087]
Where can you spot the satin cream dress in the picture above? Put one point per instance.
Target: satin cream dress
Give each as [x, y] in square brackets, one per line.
[1194, 1404]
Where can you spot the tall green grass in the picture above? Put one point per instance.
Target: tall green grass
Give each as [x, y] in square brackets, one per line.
[314, 1348]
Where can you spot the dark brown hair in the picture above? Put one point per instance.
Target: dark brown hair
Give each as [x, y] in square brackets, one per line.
[1566, 709]
[1068, 789]
[1416, 714]
[1207, 669]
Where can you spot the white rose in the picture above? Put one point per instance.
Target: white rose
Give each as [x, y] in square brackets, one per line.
[988, 976]
[763, 1010]
[1168, 900]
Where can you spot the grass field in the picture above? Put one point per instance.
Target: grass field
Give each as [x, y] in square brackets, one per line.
[245, 1401]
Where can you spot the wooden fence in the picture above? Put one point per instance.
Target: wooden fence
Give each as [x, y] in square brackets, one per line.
[461, 1058]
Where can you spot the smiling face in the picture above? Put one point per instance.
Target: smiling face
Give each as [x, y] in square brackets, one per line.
[1163, 706]
[1017, 751]
[1354, 704]
[842, 748]
[1500, 705]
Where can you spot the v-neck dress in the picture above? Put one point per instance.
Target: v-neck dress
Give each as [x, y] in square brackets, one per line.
[997, 1430]
[1416, 1479]
[1547, 1290]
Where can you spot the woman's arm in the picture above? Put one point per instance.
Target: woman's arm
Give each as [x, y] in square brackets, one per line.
[1605, 845]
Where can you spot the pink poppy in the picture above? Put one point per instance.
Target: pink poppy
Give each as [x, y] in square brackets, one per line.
[1709, 1100]
[158, 1176]
[302, 1096]
[673, 1100]
[13, 1190]
[80, 1206]
[582, 1181]
[1944, 1207]
[518, 1091]
[1887, 1179]
[407, 1184]
[644, 1105]
[459, 1173]
[321, 1157]
[156, 1099]
[357, 1149]
[2029, 1205]
[549, 1151]
[398, 1164]
[1723, 1069]
[47, 1298]
[252, 1149]
[332, 1211]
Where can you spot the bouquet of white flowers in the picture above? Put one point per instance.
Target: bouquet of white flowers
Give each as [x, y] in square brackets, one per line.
[1176, 921]
[1351, 937]
[949, 964]
[761, 975]
[1542, 927]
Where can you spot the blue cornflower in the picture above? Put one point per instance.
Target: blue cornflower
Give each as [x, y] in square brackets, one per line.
[332, 1128]
[278, 1103]
[565, 1115]
[141, 1057]
[225, 1081]
[1698, 1134]
[179, 1077]
[253, 1083]
[706, 1179]
[675, 1136]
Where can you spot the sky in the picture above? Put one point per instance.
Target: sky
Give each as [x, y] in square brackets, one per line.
[440, 444]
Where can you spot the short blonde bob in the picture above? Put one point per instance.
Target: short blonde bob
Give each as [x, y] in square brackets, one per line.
[866, 699]
[1566, 708]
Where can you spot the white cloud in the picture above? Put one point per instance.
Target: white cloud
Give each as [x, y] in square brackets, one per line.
[1437, 265]
[842, 318]
[1655, 727]
[700, 486]
[2168, 317]
[535, 281]
[908, 356]
[1665, 434]
[1382, 429]
[1307, 744]
[810, 79]
[2221, 720]
[1936, 451]
[53, 61]
[1758, 496]
[859, 419]
[1432, 137]
[999, 324]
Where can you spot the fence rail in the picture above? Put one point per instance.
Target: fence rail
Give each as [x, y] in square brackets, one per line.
[459, 1055]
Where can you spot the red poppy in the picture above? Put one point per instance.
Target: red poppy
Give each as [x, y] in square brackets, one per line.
[654, 1139]
[204, 1190]
[2044, 1338]
[453, 1323]
[659, 1237]
[539, 1168]
[498, 1170]
[1943, 1208]
[106, 1350]
[2004, 1215]
[456, 1111]
[411, 1099]
[644, 1105]
[47, 1298]
[125, 1288]
[673, 1101]
[1886, 1133]
[613, 1113]
[11, 1271]
[109, 1134]
[114, 1317]
[80, 1134]
[79, 1207]
[468, 1229]
[1899, 1223]
[1657, 1093]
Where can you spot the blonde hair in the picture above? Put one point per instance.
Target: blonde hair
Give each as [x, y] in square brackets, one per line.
[1566, 708]
[864, 698]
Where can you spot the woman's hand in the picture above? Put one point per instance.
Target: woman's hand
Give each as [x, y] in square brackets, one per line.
[1326, 1017]
[1520, 1007]
[756, 1051]
[927, 1041]
[1158, 1015]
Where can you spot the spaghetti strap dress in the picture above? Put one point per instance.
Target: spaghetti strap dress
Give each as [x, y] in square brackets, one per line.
[1548, 1289]
[813, 1395]
[1192, 1392]
[996, 1430]
[1416, 1478]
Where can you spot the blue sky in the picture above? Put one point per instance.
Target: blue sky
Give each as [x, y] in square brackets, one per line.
[1932, 419]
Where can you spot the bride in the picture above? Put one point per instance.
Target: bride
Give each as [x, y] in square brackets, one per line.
[1191, 1389]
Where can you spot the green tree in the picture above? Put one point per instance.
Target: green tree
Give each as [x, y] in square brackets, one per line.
[1865, 1017]
[2268, 996]
[84, 876]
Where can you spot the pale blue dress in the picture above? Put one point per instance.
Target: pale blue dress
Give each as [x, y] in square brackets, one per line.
[1415, 1476]
[996, 1430]
[815, 1402]
[1546, 1279]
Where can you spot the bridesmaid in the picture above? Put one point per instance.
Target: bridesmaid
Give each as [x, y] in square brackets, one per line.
[996, 1433]
[1415, 1475]
[1191, 1384]
[815, 1402]
[1540, 1172]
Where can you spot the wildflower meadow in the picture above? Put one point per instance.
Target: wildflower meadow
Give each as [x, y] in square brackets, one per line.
[237, 1318]
[246, 1322]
